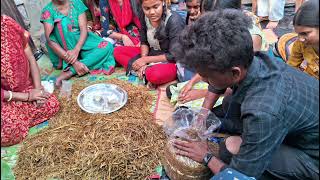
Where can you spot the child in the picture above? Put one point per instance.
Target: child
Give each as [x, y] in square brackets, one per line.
[194, 12]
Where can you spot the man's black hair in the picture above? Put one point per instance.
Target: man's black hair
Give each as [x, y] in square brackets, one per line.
[217, 41]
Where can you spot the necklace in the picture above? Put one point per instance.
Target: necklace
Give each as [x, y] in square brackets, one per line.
[69, 14]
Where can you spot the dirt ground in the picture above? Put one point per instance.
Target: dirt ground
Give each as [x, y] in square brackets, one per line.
[285, 25]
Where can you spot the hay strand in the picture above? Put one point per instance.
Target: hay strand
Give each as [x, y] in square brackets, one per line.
[123, 145]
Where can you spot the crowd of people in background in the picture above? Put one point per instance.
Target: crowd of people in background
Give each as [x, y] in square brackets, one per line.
[270, 107]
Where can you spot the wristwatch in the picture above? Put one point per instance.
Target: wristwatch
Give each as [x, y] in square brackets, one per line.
[207, 158]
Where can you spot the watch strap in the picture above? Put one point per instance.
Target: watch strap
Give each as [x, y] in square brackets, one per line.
[207, 158]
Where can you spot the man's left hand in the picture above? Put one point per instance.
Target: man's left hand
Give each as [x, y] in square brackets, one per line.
[193, 150]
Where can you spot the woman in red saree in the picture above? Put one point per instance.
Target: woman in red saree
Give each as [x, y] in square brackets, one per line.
[120, 21]
[24, 102]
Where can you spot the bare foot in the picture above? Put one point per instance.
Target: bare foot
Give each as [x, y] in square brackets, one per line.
[263, 18]
[272, 24]
[63, 76]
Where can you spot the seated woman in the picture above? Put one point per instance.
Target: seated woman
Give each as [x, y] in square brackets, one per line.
[188, 94]
[305, 50]
[159, 32]
[120, 21]
[24, 102]
[70, 45]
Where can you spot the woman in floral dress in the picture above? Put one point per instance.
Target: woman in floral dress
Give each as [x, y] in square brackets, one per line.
[24, 102]
[70, 45]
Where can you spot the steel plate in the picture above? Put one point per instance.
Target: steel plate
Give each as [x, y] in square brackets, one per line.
[102, 98]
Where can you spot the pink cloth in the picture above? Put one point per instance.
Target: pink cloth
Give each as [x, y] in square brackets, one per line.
[157, 74]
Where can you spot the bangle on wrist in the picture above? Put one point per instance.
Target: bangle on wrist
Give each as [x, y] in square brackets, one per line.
[10, 96]
[73, 63]
[65, 56]
[28, 96]
[98, 33]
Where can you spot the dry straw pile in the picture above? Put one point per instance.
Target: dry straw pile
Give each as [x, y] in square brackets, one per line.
[77, 145]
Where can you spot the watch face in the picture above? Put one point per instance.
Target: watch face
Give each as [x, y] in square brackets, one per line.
[207, 158]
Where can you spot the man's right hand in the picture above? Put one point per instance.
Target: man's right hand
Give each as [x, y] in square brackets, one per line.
[80, 68]
[195, 150]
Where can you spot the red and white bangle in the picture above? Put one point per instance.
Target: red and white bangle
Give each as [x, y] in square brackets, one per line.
[98, 33]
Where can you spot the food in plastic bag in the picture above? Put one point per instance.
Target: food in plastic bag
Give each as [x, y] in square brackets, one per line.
[183, 168]
[202, 120]
[182, 117]
[187, 125]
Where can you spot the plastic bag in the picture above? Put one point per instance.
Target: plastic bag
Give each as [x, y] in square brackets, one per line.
[48, 86]
[191, 124]
[187, 124]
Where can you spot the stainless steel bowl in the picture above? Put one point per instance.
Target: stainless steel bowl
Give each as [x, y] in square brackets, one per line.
[102, 98]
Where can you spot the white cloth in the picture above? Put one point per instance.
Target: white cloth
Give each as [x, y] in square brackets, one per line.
[274, 9]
